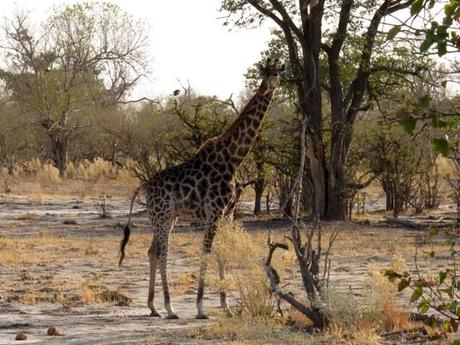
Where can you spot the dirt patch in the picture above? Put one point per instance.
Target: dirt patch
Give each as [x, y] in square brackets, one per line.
[66, 276]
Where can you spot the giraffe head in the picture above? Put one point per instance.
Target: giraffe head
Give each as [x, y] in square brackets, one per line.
[270, 73]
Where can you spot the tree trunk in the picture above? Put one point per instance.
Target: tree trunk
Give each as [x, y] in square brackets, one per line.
[285, 199]
[307, 194]
[59, 153]
[259, 187]
[11, 166]
[336, 203]
[259, 184]
[318, 176]
[267, 202]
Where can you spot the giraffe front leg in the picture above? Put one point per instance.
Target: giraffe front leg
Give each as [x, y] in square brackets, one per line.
[207, 245]
[153, 256]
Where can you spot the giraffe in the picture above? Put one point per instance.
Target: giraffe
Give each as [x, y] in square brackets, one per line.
[202, 187]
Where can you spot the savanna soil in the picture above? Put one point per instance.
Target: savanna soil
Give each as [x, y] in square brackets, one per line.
[58, 267]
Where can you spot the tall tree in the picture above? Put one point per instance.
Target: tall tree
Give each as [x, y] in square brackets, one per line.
[84, 55]
[305, 26]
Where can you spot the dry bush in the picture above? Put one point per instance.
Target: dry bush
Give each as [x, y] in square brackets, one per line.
[243, 261]
[91, 170]
[251, 331]
[27, 168]
[48, 174]
[92, 249]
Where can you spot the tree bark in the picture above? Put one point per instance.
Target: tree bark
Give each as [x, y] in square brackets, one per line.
[318, 176]
[259, 187]
[59, 152]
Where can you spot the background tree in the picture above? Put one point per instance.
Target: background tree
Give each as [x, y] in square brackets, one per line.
[85, 57]
[308, 39]
[17, 138]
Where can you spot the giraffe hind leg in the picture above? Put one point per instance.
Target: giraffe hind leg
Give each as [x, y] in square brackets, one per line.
[163, 247]
[153, 256]
[223, 294]
[207, 245]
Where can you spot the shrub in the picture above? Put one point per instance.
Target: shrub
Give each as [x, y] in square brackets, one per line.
[48, 174]
[90, 170]
[242, 259]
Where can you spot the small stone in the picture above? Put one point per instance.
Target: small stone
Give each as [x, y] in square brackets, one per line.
[69, 222]
[53, 332]
[21, 336]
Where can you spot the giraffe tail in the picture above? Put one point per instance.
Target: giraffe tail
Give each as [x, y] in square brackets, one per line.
[127, 229]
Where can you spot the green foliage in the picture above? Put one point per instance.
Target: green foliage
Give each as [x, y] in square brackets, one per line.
[441, 145]
[442, 294]
[393, 32]
[416, 7]
[398, 161]
[438, 34]
[423, 112]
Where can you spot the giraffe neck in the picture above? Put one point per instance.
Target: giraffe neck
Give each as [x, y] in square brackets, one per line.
[240, 137]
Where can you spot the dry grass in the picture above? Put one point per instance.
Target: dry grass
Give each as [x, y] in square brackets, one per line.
[44, 249]
[28, 216]
[91, 170]
[36, 194]
[242, 257]
[48, 174]
[358, 318]
[185, 283]
[249, 331]
[94, 292]
[42, 265]
[40, 181]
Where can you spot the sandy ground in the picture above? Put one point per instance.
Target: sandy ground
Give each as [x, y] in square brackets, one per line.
[58, 276]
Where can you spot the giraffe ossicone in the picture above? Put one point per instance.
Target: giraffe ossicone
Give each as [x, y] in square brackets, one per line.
[202, 187]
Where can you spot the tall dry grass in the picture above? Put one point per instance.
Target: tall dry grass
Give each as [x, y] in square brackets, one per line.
[39, 180]
[242, 257]
[91, 170]
[85, 170]
[48, 174]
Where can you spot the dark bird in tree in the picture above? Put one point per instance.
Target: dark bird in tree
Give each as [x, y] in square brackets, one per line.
[176, 92]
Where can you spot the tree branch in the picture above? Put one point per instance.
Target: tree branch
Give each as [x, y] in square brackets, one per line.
[286, 18]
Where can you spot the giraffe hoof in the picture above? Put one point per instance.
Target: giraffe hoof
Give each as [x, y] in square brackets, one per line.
[202, 317]
[172, 317]
[154, 313]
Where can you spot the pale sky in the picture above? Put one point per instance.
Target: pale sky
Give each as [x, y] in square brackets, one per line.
[187, 42]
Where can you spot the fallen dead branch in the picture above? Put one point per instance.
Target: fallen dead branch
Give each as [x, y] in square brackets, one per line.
[309, 256]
